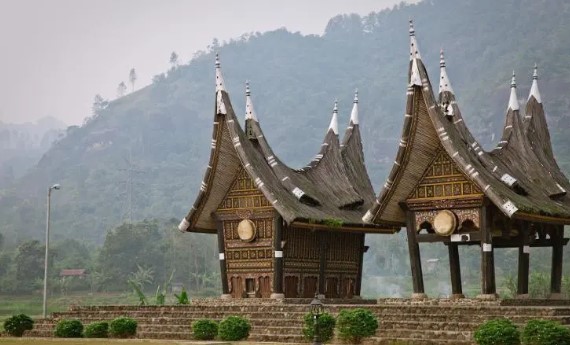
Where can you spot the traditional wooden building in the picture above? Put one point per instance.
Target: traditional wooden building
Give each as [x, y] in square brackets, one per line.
[445, 188]
[284, 232]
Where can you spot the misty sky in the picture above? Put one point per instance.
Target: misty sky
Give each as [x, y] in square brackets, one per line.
[57, 54]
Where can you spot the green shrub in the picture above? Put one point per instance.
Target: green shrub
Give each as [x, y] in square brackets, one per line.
[97, 330]
[69, 329]
[123, 327]
[18, 324]
[234, 328]
[497, 332]
[204, 329]
[545, 332]
[356, 324]
[326, 323]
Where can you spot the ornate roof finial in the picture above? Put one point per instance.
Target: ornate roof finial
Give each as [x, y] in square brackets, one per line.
[249, 111]
[414, 50]
[513, 100]
[354, 113]
[534, 88]
[444, 84]
[219, 79]
[334, 120]
[220, 105]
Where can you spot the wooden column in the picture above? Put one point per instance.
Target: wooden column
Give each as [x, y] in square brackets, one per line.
[415, 258]
[222, 256]
[524, 254]
[322, 262]
[278, 258]
[358, 282]
[557, 236]
[455, 270]
[488, 287]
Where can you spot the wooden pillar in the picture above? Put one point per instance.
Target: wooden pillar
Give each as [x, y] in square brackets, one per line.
[415, 258]
[358, 282]
[488, 288]
[322, 261]
[222, 256]
[455, 270]
[556, 236]
[524, 254]
[278, 258]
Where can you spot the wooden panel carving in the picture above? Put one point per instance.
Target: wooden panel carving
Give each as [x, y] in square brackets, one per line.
[443, 180]
[463, 215]
[244, 195]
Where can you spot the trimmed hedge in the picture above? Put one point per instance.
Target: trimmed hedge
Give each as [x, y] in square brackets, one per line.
[97, 330]
[205, 329]
[69, 329]
[545, 332]
[353, 325]
[123, 327]
[497, 332]
[16, 325]
[326, 323]
[234, 328]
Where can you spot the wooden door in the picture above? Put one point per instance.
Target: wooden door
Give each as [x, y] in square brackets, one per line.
[331, 290]
[347, 288]
[291, 287]
[310, 287]
[264, 287]
[238, 288]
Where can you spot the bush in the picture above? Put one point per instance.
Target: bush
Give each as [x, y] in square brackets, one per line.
[497, 332]
[18, 324]
[123, 327]
[234, 328]
[356, 324]
[204, 329]
[69, 329]
[97, 330]
[326, 323]
[545, 332]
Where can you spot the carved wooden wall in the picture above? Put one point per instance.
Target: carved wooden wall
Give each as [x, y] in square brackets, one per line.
[249, 263]
[343, 251]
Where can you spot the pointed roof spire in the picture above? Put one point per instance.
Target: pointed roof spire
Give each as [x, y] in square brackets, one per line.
[414, 49]
[534, 88]
[220, 86]
[219, 79]
[334, 120]
[513, 100]
[249, 111]
[444, 84]
[354, 113]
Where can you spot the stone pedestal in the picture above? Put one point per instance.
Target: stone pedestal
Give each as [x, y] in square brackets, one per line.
[457, 296]
[419, 296]
[277, 296]
[556, 296]
[226, 296]
[522, 296]
[488, 296]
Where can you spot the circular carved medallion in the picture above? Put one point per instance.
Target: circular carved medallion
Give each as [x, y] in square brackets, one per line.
[444, 223]
[246, 230]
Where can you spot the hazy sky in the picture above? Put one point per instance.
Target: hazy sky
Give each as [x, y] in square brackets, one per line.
[57, 54]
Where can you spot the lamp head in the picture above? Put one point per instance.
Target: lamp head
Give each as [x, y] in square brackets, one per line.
[56, 186]
[317, 307]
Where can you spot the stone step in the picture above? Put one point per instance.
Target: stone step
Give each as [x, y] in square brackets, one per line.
[409, 341]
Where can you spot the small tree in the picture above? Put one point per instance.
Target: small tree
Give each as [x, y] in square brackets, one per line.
[121, 89]
[325, 325]
[204, 329]
[497, 332]
[545, 332]
[356, 324]
[234, 328]
[18, 324]
[174, 59]
[132, 78]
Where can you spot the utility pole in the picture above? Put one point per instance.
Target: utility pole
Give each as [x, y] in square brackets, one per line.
[54, 187]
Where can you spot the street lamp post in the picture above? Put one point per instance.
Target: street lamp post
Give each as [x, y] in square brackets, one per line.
[317, 309]
[54, 187]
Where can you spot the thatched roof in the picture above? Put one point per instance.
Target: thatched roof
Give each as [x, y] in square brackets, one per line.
[520, 176]
[328, 190]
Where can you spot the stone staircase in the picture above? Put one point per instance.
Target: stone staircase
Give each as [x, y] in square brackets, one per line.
[401, 321]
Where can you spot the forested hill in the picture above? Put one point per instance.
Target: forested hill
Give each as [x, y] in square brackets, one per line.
[143, 155]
